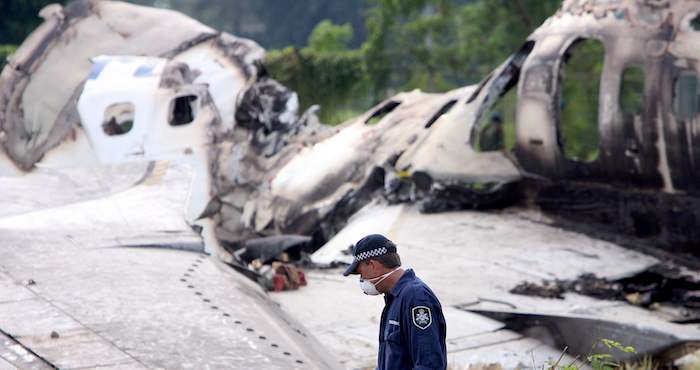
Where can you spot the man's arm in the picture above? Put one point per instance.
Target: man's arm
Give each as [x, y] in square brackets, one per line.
[425, 332]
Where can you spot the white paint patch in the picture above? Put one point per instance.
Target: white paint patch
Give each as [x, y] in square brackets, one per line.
[608, 111]
[116, 84]
[7, 168]
[224, 79]
[312, 165]
[21, 352]
[71, 153]
[663, 158]
[372, 219]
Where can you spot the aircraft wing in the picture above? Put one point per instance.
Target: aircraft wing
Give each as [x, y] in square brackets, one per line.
[111, 283]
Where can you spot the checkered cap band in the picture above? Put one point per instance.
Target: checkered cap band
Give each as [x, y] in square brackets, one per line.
[371, 253]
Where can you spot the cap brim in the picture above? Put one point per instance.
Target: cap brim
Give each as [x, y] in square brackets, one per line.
[352, 269]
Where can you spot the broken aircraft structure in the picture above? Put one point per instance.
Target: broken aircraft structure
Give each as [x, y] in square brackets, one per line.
[204, 98]
[92, 85]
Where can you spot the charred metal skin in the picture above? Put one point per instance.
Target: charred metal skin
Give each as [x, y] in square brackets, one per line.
[180, 103]
[644, 181]
[261, 171]
[640, 155]
[653, 34]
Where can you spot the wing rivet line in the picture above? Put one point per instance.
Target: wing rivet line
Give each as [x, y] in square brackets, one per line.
[196, 265]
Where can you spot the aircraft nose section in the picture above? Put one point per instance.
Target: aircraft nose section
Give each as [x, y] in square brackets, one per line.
[143, 108]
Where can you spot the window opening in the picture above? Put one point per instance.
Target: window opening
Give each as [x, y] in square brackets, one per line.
[695, 22]
[632, 90]
[685, 95]
[580, 86]
[380, 113]
[184, 109]
[445, 108]
[495, 126]
[118, 119]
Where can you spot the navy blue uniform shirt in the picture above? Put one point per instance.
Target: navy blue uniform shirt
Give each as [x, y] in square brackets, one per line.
[412, 330]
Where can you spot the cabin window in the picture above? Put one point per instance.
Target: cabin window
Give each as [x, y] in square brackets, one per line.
[685, 95]
[632, 90]
[581, 72]
[118, 119]
[695, 22]
[183, 110]
[381, 112]
[442, 111]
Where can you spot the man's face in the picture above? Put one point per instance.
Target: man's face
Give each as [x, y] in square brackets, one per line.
[368, 269]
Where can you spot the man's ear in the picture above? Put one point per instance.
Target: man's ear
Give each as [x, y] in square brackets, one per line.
[362, 266]
[368, 264]
[373, 265]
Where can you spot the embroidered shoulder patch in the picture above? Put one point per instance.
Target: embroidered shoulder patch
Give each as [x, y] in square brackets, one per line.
[422, 317]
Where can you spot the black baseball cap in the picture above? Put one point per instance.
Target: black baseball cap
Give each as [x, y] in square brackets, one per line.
[373, 245]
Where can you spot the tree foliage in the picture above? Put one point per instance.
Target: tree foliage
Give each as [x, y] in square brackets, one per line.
[579, 100]
[5, 51]
[19, 18]
[434, 45]
[441, 44]
[328, 38]
[272, 23]
[333, 80]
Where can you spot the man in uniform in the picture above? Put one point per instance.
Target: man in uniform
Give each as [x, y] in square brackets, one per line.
[491, 136]
[412, 329]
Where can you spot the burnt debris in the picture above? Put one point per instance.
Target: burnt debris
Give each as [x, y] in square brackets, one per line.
[265, 250]
[263, 171]
[659, 284]
[668, 221]
[435, 196]
[582, 336]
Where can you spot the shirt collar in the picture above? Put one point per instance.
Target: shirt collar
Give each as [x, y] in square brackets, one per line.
[407, 277]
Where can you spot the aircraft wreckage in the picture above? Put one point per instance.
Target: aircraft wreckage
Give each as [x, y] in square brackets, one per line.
[204, 98]
[109, 82]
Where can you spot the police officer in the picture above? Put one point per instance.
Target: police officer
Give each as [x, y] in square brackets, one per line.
[412, 329]
[491, 136]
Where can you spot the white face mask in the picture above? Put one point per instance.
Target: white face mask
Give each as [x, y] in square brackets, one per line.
[370, 288]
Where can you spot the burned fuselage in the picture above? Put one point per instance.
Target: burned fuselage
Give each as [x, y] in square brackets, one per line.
[203, 97]
[644, 179]
[640, 175]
